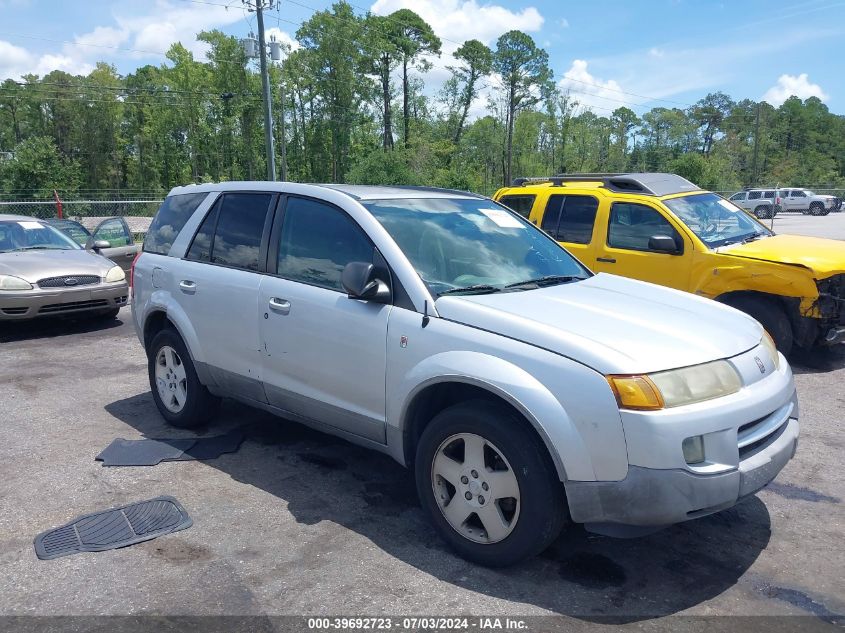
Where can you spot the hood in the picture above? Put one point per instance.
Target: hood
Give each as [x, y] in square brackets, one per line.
[824, 257]
[35, 265]
[612, 324]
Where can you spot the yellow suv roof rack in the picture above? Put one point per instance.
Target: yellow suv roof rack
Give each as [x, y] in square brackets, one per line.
[656, 184]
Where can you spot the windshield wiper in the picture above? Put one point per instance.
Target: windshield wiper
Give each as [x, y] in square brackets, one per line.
[547, 280]
[479, 288]
[40, 248]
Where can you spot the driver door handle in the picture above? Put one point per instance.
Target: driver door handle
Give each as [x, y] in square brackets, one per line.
[282, 306]
[187, 286]
[606, 260]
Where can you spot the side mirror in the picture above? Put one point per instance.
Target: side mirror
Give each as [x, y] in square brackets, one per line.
[663, 244]
[360, 281]
[96, 245]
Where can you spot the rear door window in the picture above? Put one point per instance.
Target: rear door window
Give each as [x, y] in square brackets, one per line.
[753, 195]
[570, 218]
[171, 218]
[240, 227]
[738, 196]
[769, 194]
[522, 203]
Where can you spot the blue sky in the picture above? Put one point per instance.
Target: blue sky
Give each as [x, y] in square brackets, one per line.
[607, 53]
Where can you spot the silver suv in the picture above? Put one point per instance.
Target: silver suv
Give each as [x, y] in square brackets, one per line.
[763, 203]
[807, 202]
[446, 331]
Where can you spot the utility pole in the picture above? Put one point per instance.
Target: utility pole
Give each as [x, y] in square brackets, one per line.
[282, 140]
[276, 56]
[756, 137]
[258, 6]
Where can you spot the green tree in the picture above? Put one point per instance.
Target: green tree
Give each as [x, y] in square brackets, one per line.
[414, 39]
[524, 69]
[477, 62]
[37, 168]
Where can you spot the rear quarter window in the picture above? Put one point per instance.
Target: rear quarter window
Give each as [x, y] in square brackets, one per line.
[171, 218]
[521, 204]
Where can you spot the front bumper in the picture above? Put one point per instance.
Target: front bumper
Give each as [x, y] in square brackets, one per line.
[30, 304]
[654, 497]
[747, 437]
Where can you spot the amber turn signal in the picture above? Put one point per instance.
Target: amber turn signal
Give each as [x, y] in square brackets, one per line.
[636, 392]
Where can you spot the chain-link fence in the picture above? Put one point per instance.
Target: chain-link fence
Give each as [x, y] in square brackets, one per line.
[81, 208]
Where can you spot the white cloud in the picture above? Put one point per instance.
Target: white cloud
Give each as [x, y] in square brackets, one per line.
[456, 21]
[792, 85]
[563, 23]
[459, 20]
[16, 62]
[656, 52]
[148, 31]
[170, 22]
[592, 92]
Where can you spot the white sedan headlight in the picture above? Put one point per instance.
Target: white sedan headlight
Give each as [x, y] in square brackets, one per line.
[115, 274]
[676, 387]
[7, 282]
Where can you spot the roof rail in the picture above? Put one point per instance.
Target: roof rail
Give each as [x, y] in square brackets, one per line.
[650, 184]
[521, 182]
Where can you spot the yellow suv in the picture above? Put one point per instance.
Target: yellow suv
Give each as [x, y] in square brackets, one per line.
[664, 229]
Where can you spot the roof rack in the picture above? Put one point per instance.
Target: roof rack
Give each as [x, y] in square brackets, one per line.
[656, 184]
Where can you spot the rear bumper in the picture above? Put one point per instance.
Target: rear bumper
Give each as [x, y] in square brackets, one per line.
[656, 497]
[30, 304]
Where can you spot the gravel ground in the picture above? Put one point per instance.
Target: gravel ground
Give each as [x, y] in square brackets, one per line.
[297, 522]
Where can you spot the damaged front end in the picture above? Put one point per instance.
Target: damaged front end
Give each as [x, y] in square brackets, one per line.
[831, 309]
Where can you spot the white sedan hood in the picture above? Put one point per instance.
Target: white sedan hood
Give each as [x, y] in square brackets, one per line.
[612, 324]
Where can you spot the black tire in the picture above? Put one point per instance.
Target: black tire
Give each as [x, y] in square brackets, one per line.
[816, 209]
[771, 315]
[763, 212]
[542, 506]
[825, 212]
[200, 404]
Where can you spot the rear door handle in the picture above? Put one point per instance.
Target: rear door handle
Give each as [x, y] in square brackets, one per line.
[187, 286]
[282, 306]
[606, 260]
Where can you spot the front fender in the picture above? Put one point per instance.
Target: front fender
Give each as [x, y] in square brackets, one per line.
[752, 275]
[516, 386]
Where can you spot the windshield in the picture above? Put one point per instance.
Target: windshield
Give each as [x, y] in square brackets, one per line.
[30, 235]
[74, 230]
[464, 246]
[716, 221]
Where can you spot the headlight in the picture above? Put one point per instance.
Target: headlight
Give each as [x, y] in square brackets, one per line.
[116, 274]
[677, 387]
[769, 343]
[7, 282]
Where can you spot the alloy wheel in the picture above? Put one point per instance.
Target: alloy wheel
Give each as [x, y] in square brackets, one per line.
[171, 379]
[475, 488]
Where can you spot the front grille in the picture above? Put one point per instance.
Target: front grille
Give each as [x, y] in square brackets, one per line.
[754, 436]
[747, 451]
[73, 305]
[69, 281]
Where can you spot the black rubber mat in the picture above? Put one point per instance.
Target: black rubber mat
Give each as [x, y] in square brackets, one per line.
[150, 452]
[114, 528]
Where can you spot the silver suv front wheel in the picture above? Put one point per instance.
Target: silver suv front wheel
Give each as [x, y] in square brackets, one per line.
[488, 483]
